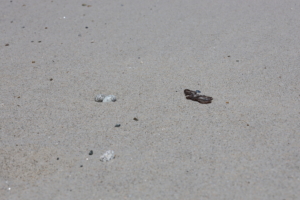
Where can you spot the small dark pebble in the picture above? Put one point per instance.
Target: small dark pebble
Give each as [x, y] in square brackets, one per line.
[6, 45]
[237, 61]
[32, 41]
[57, 158]
[135, 119]
[51, 79]
[81, 165]
[91, 152]
[33, 61]
[228, 56]
[79, 35]
[46, 27]
[23, 26]
[117, 125]
[83, 4]
[40, 41]
[86, 27]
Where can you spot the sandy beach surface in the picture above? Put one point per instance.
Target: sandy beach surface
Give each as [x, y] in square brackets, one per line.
[56, 56]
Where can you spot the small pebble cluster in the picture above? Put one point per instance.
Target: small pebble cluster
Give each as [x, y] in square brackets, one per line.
[103, 98]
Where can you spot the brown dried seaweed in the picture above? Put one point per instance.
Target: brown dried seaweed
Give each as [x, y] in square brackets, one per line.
[193, 95]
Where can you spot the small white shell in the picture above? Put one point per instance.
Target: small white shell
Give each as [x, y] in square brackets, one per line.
[107, 156]
[110, 98]
[99, 97]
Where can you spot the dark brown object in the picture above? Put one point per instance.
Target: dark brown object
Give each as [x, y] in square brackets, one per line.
[192, 95]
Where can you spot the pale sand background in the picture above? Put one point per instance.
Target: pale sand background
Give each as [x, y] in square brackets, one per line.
[146, 53]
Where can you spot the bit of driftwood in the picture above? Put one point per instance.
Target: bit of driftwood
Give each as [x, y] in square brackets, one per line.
[192, 95]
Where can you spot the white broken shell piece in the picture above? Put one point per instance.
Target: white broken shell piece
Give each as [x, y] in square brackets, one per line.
[99, 97]
[110, 98]
[107, 156]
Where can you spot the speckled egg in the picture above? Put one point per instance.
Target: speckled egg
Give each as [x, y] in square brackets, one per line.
[110, 98]
[99, 97]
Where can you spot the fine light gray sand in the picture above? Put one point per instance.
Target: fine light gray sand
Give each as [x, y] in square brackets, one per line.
[55, 56]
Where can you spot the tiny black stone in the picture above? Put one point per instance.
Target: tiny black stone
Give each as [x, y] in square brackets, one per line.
[40, 41]
[91, 152]
[117, 125]
[81, 165]
[86, 27]
[237, 61]
[51, 79]
[57, 158]
[135, 119]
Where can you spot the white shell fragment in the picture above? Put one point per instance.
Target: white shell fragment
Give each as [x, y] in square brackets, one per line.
[107, 156]
[99, 97]
[110, 98]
